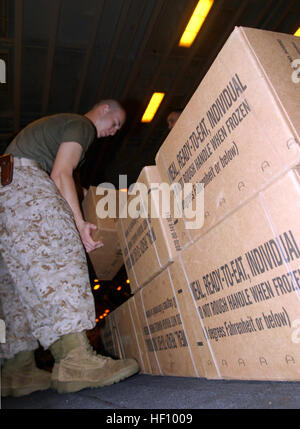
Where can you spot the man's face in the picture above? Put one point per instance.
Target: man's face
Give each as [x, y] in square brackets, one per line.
[172, 118]
[109, 122]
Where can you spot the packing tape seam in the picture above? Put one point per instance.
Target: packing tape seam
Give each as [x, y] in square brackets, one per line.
[256, 118]
[154, 244]
[112, 334]
[189, 347]
[133, 270]
[155, 354]
[296, 181]
[119, 338]
[266, 185]
[201, 321]
[270, 86]
[177, 201]
[136, 337]
[276, 235]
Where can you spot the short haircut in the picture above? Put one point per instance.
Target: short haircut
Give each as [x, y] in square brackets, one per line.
[113, 104]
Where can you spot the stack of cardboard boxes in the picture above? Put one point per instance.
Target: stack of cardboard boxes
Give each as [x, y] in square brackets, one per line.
[149, 242]
[223, 300]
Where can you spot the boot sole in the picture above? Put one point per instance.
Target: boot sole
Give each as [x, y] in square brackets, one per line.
[75, 386]
[23, 391]
[5, 391]
[5, 387]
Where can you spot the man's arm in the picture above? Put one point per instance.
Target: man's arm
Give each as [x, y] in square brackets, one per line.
[67, 159]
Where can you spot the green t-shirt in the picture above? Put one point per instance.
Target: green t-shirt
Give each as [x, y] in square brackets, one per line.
[40, 140]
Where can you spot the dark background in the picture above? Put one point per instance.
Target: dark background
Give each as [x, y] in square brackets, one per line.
[65, 55]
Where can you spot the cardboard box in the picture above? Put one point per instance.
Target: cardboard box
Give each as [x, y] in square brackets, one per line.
[149, 244]
[240, 130]
[108, 259]
[89, 207]
[164, 329]
[109, 337]
[129, 335]
[241, 285]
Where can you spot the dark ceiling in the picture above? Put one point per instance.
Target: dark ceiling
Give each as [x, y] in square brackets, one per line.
[65, 55]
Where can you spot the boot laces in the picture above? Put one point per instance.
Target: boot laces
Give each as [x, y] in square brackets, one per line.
[90, 351]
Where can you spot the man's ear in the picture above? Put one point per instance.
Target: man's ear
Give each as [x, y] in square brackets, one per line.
[105, 108]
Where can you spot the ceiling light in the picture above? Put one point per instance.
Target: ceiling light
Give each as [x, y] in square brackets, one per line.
[195, 23]
[152, 107]
[297, 33]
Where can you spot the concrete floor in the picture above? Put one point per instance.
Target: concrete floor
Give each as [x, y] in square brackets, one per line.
[146, 392]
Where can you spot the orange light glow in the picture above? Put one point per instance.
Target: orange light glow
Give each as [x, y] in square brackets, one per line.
[153, 105]
[195, 23]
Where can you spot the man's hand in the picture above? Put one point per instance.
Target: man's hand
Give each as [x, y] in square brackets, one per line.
[66, 160]
[85, 229]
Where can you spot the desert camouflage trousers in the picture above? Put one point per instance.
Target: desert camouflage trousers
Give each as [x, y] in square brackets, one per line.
[45, 290]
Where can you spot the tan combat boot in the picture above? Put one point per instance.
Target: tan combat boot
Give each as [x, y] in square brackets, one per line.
[20, 375]
[77, 366]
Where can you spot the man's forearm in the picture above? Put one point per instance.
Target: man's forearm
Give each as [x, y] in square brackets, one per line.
[66, 185]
